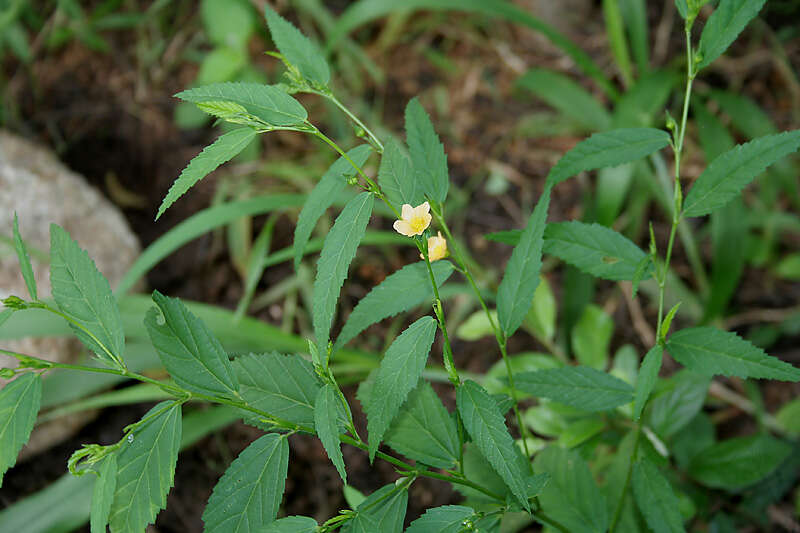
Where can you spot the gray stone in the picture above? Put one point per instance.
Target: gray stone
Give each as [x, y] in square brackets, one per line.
[42, 191]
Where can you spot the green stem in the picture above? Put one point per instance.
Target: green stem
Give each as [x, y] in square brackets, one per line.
[522, 427]
[185, 395]
[498, 334]
[676, 219]
[373, 187]
[463, 266]
[449, 362]
[375, 141]
[677, 192]
[423, 471]
[118, 360]
[543, 518]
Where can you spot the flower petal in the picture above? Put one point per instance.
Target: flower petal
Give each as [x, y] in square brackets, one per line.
[406, 211]
[402, 227]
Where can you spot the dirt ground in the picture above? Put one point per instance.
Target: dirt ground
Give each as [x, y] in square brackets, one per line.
[113, 122]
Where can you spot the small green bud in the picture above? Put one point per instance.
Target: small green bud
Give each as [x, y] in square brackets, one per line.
[360, 132]
[352, 180]
[670, 123]
[7, 373]
[653, 250]
[15, 302]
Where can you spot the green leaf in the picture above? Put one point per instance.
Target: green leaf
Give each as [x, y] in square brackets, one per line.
[506, 237]
[696, 436]
[643, 104]
[730, 172]
[616, 483]
[479, 470]
[644, 266]
[331, 184]
[228, 23]
[724, 25]
[656, 499]
[476, 326]
[648, 375]
[676, 403]
[248, 495]
[541, 319]
[284, 386]
[337, 253]
[486, 425]
[103, 495]
[326, 423]
[571, 99]
[710, 351]
[146, 468]
[268, 103]
[789, 267]
[611, 189]
[292, 524]
[19, 405]
[427, 152]
[24, 261]
[608, 149]
[729, 229]
[667, 322]
[736, 463]
[746, 115]
[594, 249]
[220, 151]
[528, 361]
[5, 314]
[634, 12]
[715, 139]
[84, 295]
[682, 8]
[298, 49]
[789, 417]
[201, 223]
[580, 431]
[405, 289]
[189, 351]
[515, 293]
[396, 176]
[444, 519]
[384, 510]
[615, 32]
[352, 495]
[591, 337]
[65, 504]
[423, 430]
[397, 375]
[578, 386]
[571, 497]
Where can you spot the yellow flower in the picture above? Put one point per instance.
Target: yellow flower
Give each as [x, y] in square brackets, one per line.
[437, 248]
[414, 220]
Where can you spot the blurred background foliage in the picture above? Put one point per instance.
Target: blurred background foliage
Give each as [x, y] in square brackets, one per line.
[510, 90]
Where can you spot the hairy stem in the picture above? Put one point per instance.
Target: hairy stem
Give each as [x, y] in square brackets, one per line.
[447, 351]
[374, 138]
[501, 342]
[662, 276]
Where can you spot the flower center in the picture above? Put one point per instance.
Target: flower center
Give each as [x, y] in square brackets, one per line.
[418, 224]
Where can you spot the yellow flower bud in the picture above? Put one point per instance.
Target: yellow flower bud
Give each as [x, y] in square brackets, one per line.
[437, 247]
